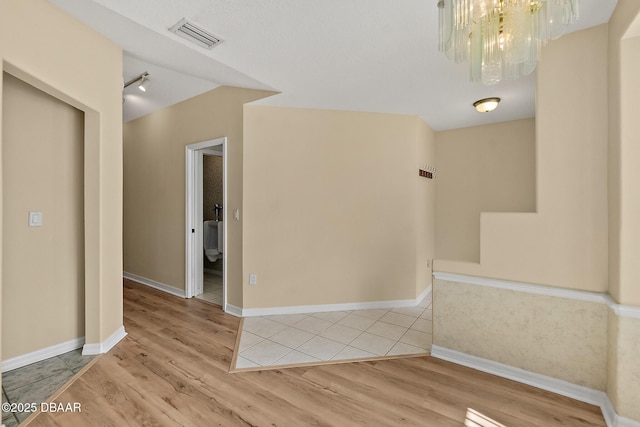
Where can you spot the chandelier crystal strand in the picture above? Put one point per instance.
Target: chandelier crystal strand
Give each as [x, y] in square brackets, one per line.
[501, 39]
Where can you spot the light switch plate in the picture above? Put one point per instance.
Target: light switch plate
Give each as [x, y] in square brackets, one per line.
[35, 219]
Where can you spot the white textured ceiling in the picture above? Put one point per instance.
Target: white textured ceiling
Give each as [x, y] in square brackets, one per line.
[363, 55]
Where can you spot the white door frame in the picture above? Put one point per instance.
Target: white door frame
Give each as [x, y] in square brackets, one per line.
[194, 262]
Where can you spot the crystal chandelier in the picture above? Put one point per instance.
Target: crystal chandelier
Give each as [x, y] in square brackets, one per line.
[501, 38]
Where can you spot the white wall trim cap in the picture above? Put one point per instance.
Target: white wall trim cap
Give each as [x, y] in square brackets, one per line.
[106, 345]
[523, 287]
[42, 354]
[623, 310]
[321, 308]
[596, 297]
[554, 385]
[156, 285]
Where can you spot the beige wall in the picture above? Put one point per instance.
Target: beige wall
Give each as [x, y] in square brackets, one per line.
[624, 133]
[335, 211]
[564, 244]
[425, 213]
[154, 184]
[557, 337]
[42, 170]
[55, 53]
[623, 385]
[481, 169]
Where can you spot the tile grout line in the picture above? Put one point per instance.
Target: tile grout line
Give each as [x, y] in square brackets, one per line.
[421, 309]
[67, 370]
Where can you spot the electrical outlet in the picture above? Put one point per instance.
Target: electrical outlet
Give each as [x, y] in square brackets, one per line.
[428, 263]
[253, 279]
[35, 219]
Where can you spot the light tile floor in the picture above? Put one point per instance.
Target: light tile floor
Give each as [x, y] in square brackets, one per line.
[212, 288]
[336, 335]
[37, 382]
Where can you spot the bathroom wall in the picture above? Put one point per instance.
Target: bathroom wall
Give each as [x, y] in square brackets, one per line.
[212, 187]
[335, 211]
[42, 170]
[58, 55]
[154, 184]
[212, 194]
[487, 168]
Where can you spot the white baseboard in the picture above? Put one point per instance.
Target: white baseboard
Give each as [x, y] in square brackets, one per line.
[554, 385]
[42, 354]
[156, 285]
[233, 310]
[625, 422]
[320, 308]
[106, 345]
[424, 294]
[267, 311]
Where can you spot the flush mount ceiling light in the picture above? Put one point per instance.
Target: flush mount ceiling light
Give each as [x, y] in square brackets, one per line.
[144, 80]
[486, 105]
[501, 38]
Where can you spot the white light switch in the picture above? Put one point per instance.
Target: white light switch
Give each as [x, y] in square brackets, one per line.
[35, 219]
[253, 279]
[236, 214]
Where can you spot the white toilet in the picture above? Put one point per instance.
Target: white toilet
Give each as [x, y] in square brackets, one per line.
[213, 240]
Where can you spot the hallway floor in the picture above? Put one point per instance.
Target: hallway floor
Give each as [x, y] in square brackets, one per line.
[37, 382]
[172, 369]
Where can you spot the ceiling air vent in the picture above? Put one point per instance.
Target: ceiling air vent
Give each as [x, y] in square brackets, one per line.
[195, 34]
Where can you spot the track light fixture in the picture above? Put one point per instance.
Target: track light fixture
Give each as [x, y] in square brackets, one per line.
[144, 83]
[144, 80]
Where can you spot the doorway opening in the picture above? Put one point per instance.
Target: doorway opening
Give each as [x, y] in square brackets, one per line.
[43, 241]
[206, 221]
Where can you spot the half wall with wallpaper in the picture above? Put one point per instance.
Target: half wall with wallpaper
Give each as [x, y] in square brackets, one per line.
[553, 294]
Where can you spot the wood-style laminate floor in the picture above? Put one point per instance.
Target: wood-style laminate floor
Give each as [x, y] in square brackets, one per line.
[172, 370]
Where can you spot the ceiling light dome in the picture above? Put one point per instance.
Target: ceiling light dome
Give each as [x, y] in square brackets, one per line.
[486, 105]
